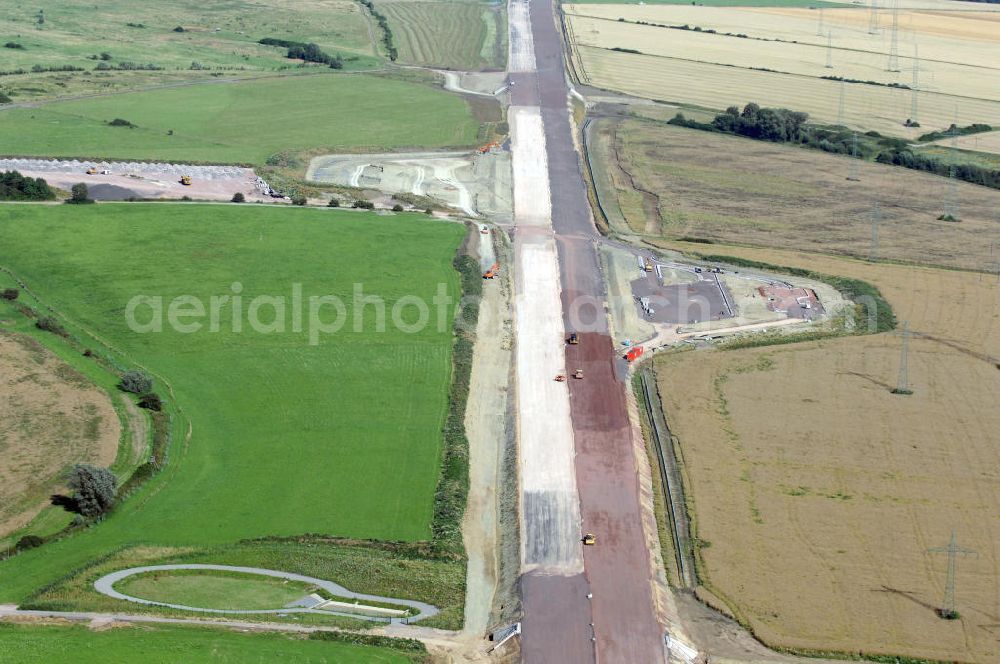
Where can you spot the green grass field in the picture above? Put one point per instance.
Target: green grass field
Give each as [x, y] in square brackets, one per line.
[244, 122]
[170, 645]
[388, 570]
[450, 35]
[341, 438]
[220, 36]
[214, 590]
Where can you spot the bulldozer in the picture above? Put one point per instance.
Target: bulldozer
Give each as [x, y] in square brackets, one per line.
[578, 374]
[573, 339]
[589, 539]
[186, 180]
[91, 171]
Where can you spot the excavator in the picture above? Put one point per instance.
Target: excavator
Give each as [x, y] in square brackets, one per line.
[186, 180]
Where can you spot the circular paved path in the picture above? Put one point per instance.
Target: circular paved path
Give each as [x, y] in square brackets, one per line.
[105, 586]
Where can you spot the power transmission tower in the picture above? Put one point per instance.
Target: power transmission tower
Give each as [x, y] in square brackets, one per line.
[903, 384]
[873, 19]
[993, 265]
[876, 218]
[819, 26]
[915, 84]
[829, 50]
[951, 198]
[953, 550]
[854, 175]
[840, 105]
[894, 42]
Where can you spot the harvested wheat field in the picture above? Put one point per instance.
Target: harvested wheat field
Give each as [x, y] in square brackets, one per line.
[817, 492]
[784, 57]
[732, 189]
[50, 418]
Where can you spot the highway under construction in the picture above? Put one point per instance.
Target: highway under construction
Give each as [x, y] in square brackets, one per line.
[578, 451]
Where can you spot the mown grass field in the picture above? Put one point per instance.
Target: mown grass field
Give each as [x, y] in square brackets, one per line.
[450, 35]
[731, 189]
[220, 37]
[214, 590]
[168, 645]
[816, 492]
[244, 122]
[340, 438]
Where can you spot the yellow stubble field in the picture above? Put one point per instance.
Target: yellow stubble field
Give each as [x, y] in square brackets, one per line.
[959, 52]
[817, 492]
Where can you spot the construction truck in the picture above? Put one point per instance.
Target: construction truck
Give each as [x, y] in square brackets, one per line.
[492, 272]
[634, 353]
[647, 265]
[186, 180]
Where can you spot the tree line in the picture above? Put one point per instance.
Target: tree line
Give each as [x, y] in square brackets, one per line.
[781, 125]
[383, 23]
[16, 187]
[307, 52]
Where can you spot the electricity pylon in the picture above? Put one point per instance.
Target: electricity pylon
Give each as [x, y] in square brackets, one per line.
[953, 550]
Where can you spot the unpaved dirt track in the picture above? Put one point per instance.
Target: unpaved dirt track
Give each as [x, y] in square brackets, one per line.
[618, 570]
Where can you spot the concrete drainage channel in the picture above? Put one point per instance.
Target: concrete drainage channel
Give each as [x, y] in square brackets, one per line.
[311, 604]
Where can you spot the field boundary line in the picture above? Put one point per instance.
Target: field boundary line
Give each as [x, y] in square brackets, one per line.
[673, 489]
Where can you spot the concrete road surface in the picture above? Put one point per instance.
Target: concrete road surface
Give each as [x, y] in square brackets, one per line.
[617, 623]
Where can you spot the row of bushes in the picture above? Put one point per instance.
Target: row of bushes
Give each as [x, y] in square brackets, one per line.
[868, 82]
[453, 483]
[973, 173]
[305, 52]
[781, 125]
[39, 69]
[127, 66]
[955, 131]
[383, 23]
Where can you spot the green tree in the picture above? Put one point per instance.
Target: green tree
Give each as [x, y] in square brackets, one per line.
[136, 382]
[93, 489]
[79, 194]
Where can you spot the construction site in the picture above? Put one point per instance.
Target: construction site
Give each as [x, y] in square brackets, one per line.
[119, 181]
[656, 473]
[476, 184]
[660, 299]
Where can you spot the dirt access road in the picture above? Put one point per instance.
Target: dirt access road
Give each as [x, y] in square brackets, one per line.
[618, 571]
